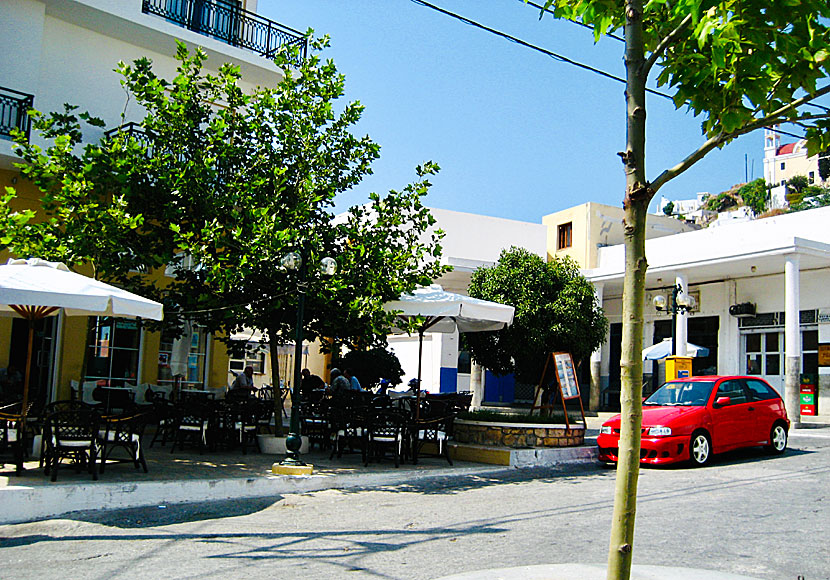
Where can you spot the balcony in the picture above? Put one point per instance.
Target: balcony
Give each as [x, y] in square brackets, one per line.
[225, 21]
[14, 107]
[131, 131]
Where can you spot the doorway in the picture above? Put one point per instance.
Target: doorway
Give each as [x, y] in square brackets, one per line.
[43, 356]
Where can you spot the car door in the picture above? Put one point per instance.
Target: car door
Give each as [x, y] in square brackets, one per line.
[733, 424]
[768, 407]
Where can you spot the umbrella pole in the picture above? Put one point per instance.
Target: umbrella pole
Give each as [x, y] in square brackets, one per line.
[28, 373]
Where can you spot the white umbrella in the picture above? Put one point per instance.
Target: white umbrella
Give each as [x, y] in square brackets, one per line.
[36, 288]
[663, 349]
[447, 312]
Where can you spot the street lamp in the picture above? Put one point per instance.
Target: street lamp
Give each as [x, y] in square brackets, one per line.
[297, 262]
[680, 304]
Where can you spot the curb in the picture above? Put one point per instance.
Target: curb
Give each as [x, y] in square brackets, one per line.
[37, 502]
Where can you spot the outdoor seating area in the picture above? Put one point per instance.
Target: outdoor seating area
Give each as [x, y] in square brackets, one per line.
[397, 427]
[92, 436]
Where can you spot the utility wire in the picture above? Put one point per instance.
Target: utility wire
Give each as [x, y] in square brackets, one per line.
[560, 57]
[577, 22]
[526, 44]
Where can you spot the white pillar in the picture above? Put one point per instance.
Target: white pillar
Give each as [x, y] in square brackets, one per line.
[476, 385]
[681, 332]
[596, 362]
[792, 340]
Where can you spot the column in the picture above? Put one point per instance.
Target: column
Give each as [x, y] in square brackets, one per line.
[792, 340]
[596, 363]
[476, 385]
[682, 318]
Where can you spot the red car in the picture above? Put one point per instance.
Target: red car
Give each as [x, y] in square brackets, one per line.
[694, 418]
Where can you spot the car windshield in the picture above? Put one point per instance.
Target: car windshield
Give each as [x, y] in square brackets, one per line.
[683, 393]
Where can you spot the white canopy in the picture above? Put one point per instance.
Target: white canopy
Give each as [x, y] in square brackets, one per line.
[663, 349]
[38, 283]
[36, 288]
[447, 312]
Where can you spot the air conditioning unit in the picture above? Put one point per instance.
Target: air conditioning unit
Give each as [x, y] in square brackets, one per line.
[742, 310]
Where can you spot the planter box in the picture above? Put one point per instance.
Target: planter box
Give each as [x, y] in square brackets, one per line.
[518, 435]
[276, 445]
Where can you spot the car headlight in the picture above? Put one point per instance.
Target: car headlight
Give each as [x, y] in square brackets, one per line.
[605, 430]
[659, 431]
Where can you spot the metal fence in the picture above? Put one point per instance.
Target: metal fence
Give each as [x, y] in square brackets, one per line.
[14, 107]
[226, 21]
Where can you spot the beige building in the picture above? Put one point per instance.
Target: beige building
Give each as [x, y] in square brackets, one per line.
[579, 232]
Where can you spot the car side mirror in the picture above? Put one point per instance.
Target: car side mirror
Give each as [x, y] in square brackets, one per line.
[722, 401]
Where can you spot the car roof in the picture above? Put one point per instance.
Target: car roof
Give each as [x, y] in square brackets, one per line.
[712, 378]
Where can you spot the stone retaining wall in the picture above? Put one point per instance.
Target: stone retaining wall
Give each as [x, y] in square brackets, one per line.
[518, 434]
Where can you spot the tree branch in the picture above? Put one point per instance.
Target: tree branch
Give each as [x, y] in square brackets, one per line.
[719, 139]
[664, 44]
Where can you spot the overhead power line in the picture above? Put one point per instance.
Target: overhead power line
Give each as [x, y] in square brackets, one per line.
[577, 22]
[526, 44]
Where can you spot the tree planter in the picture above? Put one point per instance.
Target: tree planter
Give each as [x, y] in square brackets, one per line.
[517, 435]
[271, 445]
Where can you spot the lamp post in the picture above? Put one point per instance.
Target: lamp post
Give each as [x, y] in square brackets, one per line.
[297, 261]
[680, 304]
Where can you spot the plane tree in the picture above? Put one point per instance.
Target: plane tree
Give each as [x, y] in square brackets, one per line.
[739, 65]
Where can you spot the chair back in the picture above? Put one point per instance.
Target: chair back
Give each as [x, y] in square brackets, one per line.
[73, 426]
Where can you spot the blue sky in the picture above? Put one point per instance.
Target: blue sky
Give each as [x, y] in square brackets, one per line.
[517, 134]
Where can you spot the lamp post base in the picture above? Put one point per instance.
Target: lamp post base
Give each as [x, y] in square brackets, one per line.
[290, 469]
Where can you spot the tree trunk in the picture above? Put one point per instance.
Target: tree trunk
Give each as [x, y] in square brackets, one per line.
[275, 381]
[638, 196]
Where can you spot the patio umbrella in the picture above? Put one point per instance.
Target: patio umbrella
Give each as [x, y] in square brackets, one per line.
[663, 349]
[447, 312]
[36, 288]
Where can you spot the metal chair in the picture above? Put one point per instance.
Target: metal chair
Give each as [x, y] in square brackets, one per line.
[72, 433]
[385, 430]
[123, 432]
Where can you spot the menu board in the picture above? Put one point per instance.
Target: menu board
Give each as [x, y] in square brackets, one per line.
[565, 374]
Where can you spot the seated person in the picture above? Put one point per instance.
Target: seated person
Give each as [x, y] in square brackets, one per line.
[310, 383]
[354, 384]
[244, 380]
[338, 382]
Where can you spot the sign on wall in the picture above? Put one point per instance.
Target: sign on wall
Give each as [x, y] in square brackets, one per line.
[824, 355]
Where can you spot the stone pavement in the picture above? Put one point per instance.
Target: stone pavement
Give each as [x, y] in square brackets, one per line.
[187, 476]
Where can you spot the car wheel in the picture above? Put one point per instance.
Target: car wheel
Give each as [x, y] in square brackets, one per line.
[700, 449]
[777, 439]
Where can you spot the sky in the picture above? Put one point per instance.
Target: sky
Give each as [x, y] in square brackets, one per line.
[517, 134]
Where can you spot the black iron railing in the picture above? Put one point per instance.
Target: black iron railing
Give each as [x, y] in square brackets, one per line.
[133, 131]
[226, 21]
[14, 108]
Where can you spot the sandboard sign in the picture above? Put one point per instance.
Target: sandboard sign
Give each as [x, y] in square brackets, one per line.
[568, 386]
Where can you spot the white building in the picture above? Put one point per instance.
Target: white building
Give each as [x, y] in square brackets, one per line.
[64, 51]
[471, 241]
[781, 265]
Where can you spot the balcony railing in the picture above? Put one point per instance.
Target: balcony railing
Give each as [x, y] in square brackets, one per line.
[14, 108]
[134, 131]
[224, 20]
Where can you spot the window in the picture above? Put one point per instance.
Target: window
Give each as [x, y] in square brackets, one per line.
[763, 353]
[252, 354]
[760, 391]
[732, 389]
[565, 232]
[464, 365]
[190, 350]
[783, 165]
[113, 345]
[811, 177]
